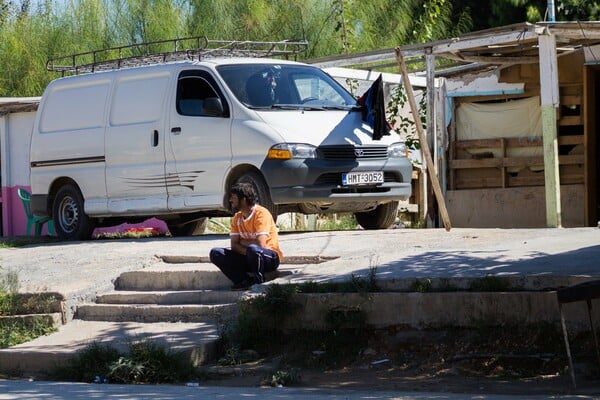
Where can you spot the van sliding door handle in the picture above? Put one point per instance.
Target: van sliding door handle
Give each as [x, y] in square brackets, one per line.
[155, 138]
[176, 130]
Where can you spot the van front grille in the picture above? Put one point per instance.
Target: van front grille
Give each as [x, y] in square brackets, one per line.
[352, 152]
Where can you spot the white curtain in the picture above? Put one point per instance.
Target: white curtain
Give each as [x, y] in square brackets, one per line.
[512, 119]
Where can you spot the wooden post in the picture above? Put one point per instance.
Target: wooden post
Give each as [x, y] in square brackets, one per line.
[430, 135]
[550, 101]
[437, 190]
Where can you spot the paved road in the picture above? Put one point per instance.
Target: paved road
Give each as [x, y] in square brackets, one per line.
[80, 268]
[23, 390]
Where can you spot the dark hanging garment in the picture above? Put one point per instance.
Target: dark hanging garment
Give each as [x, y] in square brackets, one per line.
[373, 109]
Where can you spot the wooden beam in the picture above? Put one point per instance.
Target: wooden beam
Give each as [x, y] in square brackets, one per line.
[366, 57]
[532, 161]
[423, 140]
[518, 37]
[590, 34]
[533, 141]
[490, 59]
[530, 141]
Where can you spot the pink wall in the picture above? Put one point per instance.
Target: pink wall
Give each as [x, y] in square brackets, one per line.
[14, 219]
[15, 135]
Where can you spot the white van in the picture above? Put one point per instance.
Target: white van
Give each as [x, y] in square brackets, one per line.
[169, 140]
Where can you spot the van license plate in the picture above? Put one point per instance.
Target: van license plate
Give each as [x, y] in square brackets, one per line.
[362, 178]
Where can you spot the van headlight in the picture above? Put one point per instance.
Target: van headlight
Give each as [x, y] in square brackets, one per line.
[287, 151]
[396, 150]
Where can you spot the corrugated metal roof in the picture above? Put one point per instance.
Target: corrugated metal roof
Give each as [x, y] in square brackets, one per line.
[18, 104]
[510, 44]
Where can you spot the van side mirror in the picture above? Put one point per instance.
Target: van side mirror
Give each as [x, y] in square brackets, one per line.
[212, 107]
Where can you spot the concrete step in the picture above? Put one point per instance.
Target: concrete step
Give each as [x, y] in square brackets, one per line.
[36, 358]
[439, 310]
[156, 313]
[535, 283]
[170, 297]
[156, 280]
[185, 277]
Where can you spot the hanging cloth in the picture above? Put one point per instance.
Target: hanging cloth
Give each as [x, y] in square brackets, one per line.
[373, 109]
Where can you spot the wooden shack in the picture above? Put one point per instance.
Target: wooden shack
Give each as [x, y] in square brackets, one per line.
[516, 133]
[495, 158]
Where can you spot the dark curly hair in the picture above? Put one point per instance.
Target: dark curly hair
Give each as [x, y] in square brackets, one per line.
[244, 190]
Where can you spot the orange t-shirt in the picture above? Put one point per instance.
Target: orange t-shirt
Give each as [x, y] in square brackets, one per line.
[259, 222]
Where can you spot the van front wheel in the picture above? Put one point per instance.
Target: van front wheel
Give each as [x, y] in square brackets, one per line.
[262, 191]
[381, 217]
[70, 220]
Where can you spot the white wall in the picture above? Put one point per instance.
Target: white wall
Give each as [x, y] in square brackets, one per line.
[15, 136]
[15, 148]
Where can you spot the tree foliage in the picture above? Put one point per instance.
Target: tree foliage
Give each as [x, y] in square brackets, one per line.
[503, 12]
[31, 31]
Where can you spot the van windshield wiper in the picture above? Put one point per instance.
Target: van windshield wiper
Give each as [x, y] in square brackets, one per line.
[305, 107]
[321, 107]
[296, 107]
[344, 108]
[287, 107]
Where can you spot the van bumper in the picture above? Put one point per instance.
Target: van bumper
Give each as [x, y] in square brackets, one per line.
[317, 180]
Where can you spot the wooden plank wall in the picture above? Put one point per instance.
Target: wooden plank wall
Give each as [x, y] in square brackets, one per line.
[477, 171]
[477, 181]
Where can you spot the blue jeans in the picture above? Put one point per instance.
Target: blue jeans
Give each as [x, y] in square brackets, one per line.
[236, 266]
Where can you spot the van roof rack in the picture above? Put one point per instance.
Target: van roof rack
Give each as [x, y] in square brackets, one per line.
[162, 51]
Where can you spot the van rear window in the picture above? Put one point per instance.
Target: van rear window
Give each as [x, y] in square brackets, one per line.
[138, 99]
[74, 107]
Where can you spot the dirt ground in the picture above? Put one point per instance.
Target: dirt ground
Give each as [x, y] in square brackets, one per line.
[510, 361]
[394, 378]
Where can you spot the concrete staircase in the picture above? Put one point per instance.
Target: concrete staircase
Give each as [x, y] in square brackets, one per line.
[181, 307]
[184, 305]
[164, 296]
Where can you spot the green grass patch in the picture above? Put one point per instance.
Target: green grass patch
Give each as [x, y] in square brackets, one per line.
[16, 331]
[20, 241]
[262, 318]
[338, 222]
[279, 378]
[356, 284]
[260, 327]
[421, 286]
[9, 281]
[219, 225]
[144, 362]
[260, 321]
[30, 303]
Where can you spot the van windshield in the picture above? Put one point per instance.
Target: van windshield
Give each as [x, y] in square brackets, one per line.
[284, 86]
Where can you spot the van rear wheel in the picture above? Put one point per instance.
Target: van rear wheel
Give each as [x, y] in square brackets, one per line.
[381, 217]
[70, 220]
